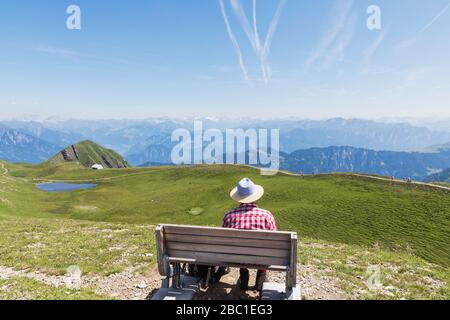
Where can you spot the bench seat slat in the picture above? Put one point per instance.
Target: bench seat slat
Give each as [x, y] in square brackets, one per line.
[241, 250]
[223, 232]
[238, 242]
[212, 258]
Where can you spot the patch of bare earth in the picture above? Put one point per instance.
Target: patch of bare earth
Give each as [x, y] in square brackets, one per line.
[228, 289]
[131, 285]
[56, 281]
[126, 285]
[316, 286]
[313, 286]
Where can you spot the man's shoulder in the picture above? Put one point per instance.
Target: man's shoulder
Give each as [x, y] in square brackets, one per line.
[264, 211]
[230, 212]
[253, 210]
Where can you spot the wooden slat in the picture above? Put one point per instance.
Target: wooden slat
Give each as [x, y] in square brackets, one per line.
[224, 259]
[200, 247]
[256, 243]
[224, 232]
[228, 247]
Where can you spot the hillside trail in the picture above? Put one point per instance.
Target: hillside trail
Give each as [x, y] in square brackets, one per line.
[404, 182]
[5, 170]
[5, 174]
[367, 177]
[4, 177]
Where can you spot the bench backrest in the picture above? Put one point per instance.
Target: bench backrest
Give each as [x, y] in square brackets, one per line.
[227, 247]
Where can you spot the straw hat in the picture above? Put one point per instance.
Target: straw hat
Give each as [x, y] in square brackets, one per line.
[246, 191]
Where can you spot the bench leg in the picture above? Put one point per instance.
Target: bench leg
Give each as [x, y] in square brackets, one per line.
[176, 276]
[165, 283]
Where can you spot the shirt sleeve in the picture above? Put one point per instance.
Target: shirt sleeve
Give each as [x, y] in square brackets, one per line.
[271, 223]
[225, 222]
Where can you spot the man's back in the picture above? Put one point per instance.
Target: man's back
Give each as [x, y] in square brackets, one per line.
[249, 217]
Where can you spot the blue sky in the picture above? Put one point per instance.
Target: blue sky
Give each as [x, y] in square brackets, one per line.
[177, 58]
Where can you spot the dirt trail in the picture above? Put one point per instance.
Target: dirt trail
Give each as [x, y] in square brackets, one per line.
[367, 176]
[128, 285]
[402, 181]
[5, 174]
[56, 281]
[5, 170]
[3, 184]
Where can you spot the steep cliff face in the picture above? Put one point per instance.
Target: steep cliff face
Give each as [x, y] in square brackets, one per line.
[88, 153]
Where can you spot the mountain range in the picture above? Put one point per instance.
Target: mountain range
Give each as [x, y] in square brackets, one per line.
[443, 176]
[17, 146]
[414, 165]
[387, 148]
[131, 137]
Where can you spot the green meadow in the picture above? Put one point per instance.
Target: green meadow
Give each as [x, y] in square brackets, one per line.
[407, 223]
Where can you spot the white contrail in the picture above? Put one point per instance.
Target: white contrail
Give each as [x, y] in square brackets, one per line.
[370, 51]
[255, 26]
[341, 11]
[238, 10]
[252, 33]
[337, 51]
[434, 19]
[234, 41]
[264, 54]
[405, 44]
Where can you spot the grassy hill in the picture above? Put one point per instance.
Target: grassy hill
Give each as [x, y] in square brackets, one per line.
[370, 221]
[88, 153]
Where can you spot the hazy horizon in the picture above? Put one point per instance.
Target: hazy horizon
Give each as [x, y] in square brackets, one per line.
[39, 118]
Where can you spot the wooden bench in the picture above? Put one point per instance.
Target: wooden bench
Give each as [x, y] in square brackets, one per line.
[269, 250]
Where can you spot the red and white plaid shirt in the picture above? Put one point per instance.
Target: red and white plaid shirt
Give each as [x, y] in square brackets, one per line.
[249, 217]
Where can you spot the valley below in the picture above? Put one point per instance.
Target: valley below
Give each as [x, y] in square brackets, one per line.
[347, 225]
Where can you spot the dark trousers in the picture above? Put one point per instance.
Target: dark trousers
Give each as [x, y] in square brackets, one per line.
[244, 277]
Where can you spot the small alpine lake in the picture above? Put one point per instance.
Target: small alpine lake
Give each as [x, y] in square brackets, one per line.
[64, 187]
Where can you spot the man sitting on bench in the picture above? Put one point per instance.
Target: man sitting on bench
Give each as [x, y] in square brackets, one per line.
[248, 217]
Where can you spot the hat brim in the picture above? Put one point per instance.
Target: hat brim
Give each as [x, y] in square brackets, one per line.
[259, 192]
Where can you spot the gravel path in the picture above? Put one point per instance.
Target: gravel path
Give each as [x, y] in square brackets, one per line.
[56, 281]
[129, 285]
